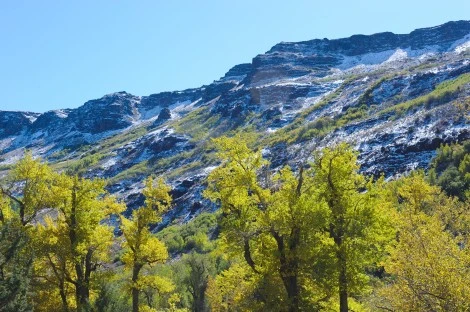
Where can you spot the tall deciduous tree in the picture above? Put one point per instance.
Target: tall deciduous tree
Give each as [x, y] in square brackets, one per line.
[318, 229]
[430, 261]
[73, 241]
[357, 226]
[23, 195]
[268, 220]
[142, 248]
[29, 187]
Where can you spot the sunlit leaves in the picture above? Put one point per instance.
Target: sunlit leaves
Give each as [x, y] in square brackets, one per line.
[295, 226]
[141, 247]
[430, 261]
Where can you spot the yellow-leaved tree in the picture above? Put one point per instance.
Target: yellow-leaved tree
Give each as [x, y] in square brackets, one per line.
[359, 223]
[430, 263]
[72, 241]
[306, 236]
[28, 187]
[268, 221]
[24, 194]
[15, 260]
[141, 247]
[62, 218]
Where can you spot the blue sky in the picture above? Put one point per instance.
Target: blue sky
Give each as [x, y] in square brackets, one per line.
[59, 54]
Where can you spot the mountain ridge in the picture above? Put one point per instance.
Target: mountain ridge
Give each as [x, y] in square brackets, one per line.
[447, 32]
[396, 98]
[463, 27]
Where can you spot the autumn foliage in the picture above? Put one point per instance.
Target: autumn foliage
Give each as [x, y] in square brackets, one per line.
[313, 236]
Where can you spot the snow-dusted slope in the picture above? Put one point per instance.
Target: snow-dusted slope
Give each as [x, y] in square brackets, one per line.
[394, 97]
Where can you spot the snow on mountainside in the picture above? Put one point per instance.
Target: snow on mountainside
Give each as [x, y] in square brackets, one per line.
[396, 98]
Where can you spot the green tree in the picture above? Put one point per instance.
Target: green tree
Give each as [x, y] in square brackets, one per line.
[24, 193]
[141, 247]
[358, 228]
[265, 219]
[430, 261]
[193, 272]
[450, 169]
[73, 241]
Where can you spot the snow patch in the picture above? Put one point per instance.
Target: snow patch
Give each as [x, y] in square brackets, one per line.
[109, 163]
[397, 56]
[185, 106]
[461, 45]
[377, 58]
[462, 48]
[365, 59]
[5, 143]
[238, 87]
[208, 170]
[61, 113]
[148, 114]
[30, 118]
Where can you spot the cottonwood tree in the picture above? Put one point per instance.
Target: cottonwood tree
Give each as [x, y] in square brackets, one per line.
[61, 218]
[23, 194]
[28, 188]
[15, 261]
[318, 229]
[358, 227]
[73, 241]
[269, 221]
[430, 261]
[141, 247]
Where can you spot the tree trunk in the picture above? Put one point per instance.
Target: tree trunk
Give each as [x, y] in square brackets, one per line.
[82, 291]
[135, 300]
[135, 291]
[82, 294]
[337, 232]
[292, 288]
[63, 297]
[343, 286]
[288, 271]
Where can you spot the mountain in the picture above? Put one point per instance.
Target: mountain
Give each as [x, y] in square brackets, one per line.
[395, 97]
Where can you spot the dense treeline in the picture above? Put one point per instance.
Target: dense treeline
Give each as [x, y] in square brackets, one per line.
[320, 237]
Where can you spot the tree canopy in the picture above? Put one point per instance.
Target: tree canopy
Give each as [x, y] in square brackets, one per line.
[313, 236]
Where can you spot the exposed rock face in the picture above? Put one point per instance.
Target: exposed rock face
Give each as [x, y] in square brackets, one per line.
[442, 36]
[395, 98]
[49, 120]
[13, 123]
[238, 71]
[164, 115]
[111, 112]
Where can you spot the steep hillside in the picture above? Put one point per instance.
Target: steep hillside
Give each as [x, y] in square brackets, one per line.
[396, 98]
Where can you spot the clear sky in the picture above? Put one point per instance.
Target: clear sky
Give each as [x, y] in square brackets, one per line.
[59, 54]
